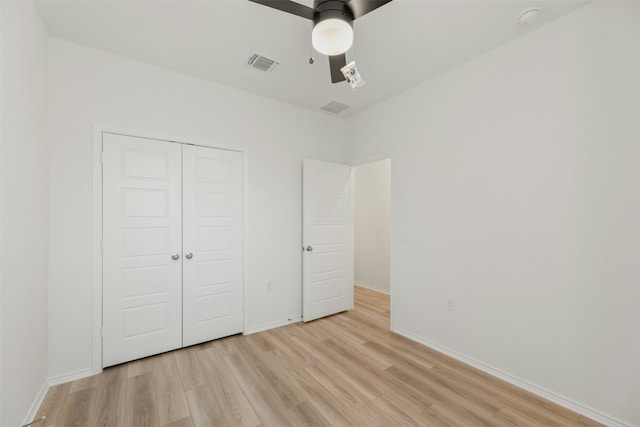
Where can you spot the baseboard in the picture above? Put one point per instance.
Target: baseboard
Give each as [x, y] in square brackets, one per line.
[271, 325]
[50, 382]
[523, 384]
[373, 288]
[71, 376]
[37, 402]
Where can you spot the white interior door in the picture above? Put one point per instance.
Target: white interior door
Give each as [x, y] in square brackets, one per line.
[327, 239]
[212, 241]
[142, 265]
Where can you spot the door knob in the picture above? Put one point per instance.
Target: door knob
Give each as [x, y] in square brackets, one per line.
[309, 248]
[175, 257]
[188, 255]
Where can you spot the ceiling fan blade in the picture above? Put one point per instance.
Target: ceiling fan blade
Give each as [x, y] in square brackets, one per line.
[288, 6]
[362, 7]
[335, 63]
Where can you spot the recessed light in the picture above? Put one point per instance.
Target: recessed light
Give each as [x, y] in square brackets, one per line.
[529, 15]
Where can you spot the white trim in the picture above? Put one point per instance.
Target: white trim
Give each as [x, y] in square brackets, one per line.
[518, 382]
[37, 402]
[70, 376]
[96, 250]
[373, 288]
[245, 234]
[351, 273]
[370, 159]
[164, 137]
[392, 238]
[272, 325]
[96, 235]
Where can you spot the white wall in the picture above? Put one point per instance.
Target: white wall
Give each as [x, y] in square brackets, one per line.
[372, 206]
[515, 181]
[23, 211]
[88, 86]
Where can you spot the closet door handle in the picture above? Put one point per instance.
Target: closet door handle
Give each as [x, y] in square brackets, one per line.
[175, 257]
[188, 255]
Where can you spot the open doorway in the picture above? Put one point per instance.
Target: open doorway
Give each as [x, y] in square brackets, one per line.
[372, 238]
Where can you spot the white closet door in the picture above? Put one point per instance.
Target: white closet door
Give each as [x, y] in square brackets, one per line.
[212, 241]
[142, 265]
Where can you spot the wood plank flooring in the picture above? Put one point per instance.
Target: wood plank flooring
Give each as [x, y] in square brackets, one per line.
[344, 370]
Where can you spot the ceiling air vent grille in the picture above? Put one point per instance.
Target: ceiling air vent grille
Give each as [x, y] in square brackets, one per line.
[261, 63]
[335, 107]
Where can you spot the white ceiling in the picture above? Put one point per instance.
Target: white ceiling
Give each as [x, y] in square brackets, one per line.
[396, 46]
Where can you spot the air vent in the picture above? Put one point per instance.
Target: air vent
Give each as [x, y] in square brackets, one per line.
[335, 107]
[261, 63]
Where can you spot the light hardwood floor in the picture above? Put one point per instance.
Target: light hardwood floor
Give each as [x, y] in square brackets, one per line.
[344, 370]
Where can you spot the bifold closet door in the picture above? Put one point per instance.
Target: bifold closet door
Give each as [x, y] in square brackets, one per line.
[172, 246]
[142, 248]
[212, 241]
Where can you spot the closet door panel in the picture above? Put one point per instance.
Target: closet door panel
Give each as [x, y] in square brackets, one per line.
[142, 284]
[212, 241]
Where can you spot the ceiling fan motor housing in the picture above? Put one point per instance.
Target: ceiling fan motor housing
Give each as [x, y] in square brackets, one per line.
[332, 33]
[332, 9]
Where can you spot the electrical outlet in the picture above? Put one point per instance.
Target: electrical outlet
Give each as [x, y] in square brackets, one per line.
[451, 304]
[269, 286]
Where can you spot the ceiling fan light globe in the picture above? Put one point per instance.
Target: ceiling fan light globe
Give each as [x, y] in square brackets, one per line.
[332, 36]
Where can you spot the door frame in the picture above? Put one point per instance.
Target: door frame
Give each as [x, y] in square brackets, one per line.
[96, 222]
[392, 231]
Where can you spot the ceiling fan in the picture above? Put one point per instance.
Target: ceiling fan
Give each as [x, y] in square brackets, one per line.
[332, 33]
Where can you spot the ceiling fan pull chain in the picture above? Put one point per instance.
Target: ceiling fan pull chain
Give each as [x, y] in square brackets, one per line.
[311, 59]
